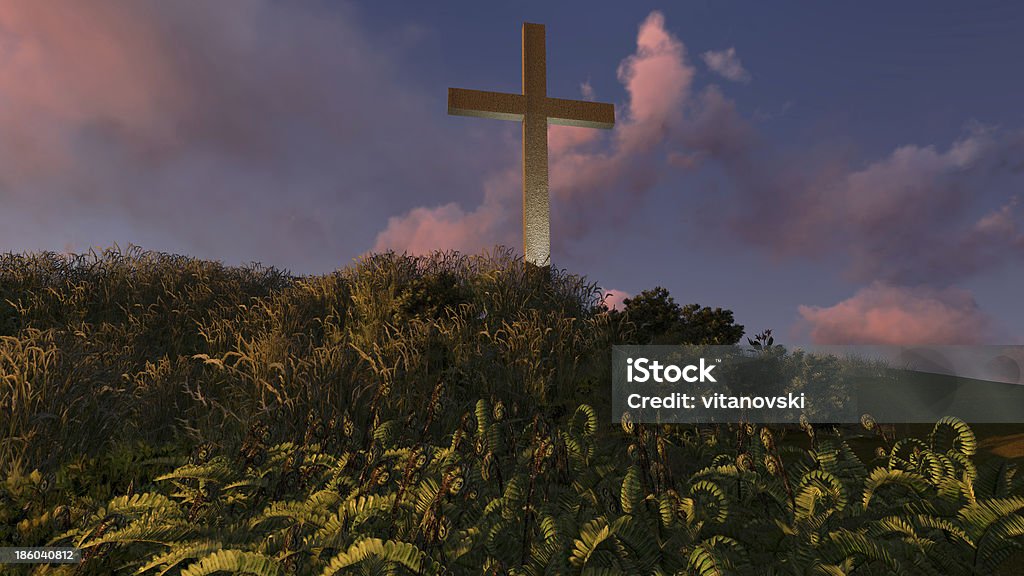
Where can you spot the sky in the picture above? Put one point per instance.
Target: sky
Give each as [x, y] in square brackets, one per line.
[839, 174]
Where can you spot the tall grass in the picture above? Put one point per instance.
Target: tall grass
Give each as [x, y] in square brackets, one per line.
[125, 346]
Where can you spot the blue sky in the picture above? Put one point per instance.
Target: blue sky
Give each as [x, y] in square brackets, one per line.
[839, 174]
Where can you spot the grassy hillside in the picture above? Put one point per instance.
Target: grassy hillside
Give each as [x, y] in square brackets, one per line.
[104, 348]
[415, 415]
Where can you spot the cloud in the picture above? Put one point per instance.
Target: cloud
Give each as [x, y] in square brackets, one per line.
[658, 79]
[1001, 222]
[449, 227]
[613, 299]
[920, 214]
[233, 130]
[587, 91]
[726, 64]
[715, 129]
[908, 217]
[585, 169]
[909, 225]
[884, 314]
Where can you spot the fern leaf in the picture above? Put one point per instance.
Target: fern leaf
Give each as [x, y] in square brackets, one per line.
[181, 552]
[881, 477]
[401, 553]
[234, 561]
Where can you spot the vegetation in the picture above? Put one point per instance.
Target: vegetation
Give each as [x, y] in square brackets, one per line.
[656, 318]
[428, 416]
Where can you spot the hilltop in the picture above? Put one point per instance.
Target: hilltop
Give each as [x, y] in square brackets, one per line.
[141, 346]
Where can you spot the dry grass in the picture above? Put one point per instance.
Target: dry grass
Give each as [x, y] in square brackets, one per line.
[125, 346]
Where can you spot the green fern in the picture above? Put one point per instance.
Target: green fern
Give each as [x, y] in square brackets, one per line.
[235, 562]
[374, 549]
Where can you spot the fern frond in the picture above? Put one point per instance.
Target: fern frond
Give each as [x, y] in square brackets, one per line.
[401, 553]
[880, 477]
[234, 561]
[179, 553]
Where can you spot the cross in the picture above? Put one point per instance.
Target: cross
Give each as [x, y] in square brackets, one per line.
[535, 110]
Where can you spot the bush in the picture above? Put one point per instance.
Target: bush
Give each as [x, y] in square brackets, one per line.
[657, 319]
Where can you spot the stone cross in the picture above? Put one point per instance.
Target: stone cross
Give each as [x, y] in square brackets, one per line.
[535, 110]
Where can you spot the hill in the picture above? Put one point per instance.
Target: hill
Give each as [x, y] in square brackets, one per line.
[411, 415]
[140, 346]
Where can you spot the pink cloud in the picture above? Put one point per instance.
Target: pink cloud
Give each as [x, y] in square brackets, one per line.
[565, 139]
[726, 64]
[658, 80]
[449, 227]
[60, 68]
[884, 314]
[613, 299]
[223, 130]
[42, 40]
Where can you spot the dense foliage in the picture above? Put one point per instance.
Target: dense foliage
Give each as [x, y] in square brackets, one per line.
[423, 416]
[134, 346]
[656, 318]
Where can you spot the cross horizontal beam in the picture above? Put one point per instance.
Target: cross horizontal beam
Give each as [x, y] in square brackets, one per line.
[483, 104]
[504, 106]
[580, 113]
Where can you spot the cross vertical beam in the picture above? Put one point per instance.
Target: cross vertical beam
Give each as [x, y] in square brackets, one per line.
[536, 111]
[536, 202]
